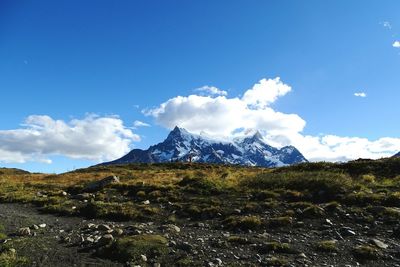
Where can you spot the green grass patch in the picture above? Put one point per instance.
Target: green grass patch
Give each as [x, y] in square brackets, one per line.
[242, 223]
[276, 247]
[326, 246]
[366, 252]
[321, 185]
[131, 248]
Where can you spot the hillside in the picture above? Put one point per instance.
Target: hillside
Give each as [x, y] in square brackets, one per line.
[181, 214]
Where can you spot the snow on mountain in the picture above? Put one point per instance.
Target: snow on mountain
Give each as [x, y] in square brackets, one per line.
[249, 150]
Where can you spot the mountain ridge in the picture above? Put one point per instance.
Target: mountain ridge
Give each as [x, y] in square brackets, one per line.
[181, 145]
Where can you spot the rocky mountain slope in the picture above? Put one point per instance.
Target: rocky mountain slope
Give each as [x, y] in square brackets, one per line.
[180, 145]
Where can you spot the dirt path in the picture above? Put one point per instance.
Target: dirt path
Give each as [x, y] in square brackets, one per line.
[46, 248]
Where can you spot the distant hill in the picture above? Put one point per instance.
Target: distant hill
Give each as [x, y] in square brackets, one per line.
[12, 171]
[397, 155]
[182, 146]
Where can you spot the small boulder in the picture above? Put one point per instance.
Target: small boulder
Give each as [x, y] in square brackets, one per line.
[379, 243]
[98, 185]
[171, 228]
[90, 226]
[105, 240]
[118, 231]
[24, 231]
[103, 227]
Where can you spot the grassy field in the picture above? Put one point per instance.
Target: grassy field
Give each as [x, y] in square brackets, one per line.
[200, 192]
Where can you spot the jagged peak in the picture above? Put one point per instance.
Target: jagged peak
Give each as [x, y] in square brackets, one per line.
[178, 131]
[250, 135]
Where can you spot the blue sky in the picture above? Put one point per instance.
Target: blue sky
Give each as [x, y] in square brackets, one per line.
[70, 69]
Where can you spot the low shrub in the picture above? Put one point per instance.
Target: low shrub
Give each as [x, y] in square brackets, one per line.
[242, 223]
[326, 246]
[322, 186]
[366, 252]
[112, 211]
[276, 247]
[131, 248]
[280, 221]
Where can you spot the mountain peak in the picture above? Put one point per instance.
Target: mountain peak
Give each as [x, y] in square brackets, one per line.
[177, 131]
[250, 149]
[251, 136]
[257, 135]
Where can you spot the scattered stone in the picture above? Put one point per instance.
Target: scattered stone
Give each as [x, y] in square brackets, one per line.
[302, 255]
[42, 225]
[143, 257]
[171, 227]
[91, 226]
[217, 262]
[24, 231]
[118, 231]
[378, 243]
[185, 246]
[347, 231]
[105, 240]
[83, 196]
[146, 202]
[98, 185]
[103, 227]
[35, 227]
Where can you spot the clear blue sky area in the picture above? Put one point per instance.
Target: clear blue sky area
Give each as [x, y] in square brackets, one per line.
[65, 59]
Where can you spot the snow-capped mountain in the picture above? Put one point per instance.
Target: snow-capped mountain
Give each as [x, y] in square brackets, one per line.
[180, 145]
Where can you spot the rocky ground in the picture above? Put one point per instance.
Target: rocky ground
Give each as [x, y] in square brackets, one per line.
[48, 240]
[203, 215]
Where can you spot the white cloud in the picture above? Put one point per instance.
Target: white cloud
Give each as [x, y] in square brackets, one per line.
[360, 94]
[265, 92]
[211, 90]
[93, 138]
[223, 116]
[396, 44]
[140, 124]
[387, 25]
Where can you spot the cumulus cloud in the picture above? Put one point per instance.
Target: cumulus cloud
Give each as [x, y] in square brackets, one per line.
[223, 116]
[396, 44]
[211, 90]
[265, 92]
[92, 138]
[140, 124]
[360, 94]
